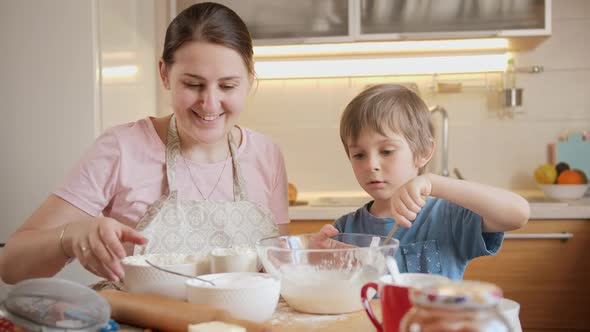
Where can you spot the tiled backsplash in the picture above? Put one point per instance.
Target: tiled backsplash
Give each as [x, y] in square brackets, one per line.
[303, 115]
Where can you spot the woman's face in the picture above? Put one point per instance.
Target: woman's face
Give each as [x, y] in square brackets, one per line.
[209, 84]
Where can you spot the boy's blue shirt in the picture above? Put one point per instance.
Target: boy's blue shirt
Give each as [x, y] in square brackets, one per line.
[443, 238]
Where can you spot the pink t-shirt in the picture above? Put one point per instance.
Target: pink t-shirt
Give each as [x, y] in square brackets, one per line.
[123, 173]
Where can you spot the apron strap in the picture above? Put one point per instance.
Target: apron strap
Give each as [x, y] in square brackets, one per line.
[173, 153]
[239, 182]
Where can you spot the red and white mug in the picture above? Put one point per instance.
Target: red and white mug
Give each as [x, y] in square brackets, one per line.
[395, 298]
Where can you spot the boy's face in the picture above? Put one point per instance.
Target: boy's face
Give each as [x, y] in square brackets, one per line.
[382, 164]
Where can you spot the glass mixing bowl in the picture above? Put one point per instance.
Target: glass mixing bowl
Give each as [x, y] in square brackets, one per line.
[324, 275]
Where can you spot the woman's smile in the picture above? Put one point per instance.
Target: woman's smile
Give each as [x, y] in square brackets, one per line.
[208, 119]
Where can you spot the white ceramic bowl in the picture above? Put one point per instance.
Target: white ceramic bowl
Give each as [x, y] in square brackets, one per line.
[237, 259]
[245, 295]
[564, 192]
[144, 279]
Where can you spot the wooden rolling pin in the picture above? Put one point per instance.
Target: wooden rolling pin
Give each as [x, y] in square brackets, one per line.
[168, 315]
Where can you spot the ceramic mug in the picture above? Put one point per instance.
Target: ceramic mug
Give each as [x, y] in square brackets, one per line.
[222, 260]
[395, 298]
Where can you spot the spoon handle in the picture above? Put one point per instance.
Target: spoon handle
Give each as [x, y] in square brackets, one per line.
[178, 273]
[390, 235]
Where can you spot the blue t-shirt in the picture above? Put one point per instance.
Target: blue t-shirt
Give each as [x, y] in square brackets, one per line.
[443, 238]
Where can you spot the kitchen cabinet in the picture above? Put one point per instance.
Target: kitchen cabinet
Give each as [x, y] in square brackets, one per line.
[287, 21]
[548, 277]
[539, 266]
[323, 21]
[385, 19]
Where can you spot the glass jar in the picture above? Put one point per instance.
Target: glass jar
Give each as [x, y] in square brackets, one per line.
[466, 306]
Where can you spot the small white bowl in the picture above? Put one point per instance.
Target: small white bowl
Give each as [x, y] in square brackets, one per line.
[144, 279]
[564, 192]
[245, 295]
[223, 260]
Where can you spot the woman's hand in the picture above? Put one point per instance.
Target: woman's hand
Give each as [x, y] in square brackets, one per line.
[409, 199]
[98, 245]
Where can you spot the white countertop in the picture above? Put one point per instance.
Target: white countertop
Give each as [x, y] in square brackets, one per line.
[540, 208]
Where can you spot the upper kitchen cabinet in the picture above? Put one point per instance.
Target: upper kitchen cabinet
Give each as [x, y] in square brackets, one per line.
[426, 19]
[291, 22]
[331, 21]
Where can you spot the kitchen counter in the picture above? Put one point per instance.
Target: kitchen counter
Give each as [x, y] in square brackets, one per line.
[541, 208]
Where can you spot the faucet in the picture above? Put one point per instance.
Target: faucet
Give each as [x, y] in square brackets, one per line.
[445, 132]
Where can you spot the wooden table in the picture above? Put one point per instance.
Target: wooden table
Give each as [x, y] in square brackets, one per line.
[285, 319]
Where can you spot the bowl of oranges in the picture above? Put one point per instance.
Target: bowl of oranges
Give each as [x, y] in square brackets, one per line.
[560, 182]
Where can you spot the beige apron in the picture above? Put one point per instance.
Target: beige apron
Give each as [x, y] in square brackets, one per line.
[191, 227]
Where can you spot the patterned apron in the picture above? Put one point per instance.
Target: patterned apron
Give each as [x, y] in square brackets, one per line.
[193, 227]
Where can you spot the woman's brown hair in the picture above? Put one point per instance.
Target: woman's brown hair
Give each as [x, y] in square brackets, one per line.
[209, 22]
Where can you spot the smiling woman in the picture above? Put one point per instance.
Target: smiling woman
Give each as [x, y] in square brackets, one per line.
[210, 83]
[160, 185]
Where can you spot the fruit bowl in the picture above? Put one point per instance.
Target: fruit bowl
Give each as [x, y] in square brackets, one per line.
[322, 275]
[564, 192]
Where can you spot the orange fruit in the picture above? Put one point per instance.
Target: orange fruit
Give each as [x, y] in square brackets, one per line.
[582, 174]
[570, 177]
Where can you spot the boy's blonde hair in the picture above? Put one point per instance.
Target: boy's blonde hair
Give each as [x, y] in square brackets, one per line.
[389, 107]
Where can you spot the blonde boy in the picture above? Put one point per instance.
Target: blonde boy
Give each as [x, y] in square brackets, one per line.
[388, 138]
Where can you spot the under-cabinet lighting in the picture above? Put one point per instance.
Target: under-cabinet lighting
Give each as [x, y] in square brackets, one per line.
[372, 48]
[307, 68]
[118, 56]
[119, 72]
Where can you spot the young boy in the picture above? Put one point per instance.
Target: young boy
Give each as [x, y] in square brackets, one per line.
[388, 138]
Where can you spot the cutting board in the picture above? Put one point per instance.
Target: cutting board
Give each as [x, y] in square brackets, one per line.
[576, 152]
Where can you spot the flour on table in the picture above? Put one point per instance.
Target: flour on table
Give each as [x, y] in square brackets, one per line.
[286, 315]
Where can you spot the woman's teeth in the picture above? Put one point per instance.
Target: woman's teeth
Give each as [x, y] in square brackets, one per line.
[209, 117]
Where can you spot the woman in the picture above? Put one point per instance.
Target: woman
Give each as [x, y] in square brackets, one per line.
[183, 183]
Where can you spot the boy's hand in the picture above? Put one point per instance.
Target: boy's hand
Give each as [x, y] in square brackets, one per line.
[409, 199]
[322, 239]
[329, 230]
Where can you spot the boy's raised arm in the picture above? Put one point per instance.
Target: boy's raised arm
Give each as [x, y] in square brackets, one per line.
[501, 210]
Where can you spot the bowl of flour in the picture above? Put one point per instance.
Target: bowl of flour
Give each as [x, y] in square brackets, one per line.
[142, 278]
[322, 275]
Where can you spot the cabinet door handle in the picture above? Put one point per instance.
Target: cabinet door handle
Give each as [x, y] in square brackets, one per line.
[540, 236]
